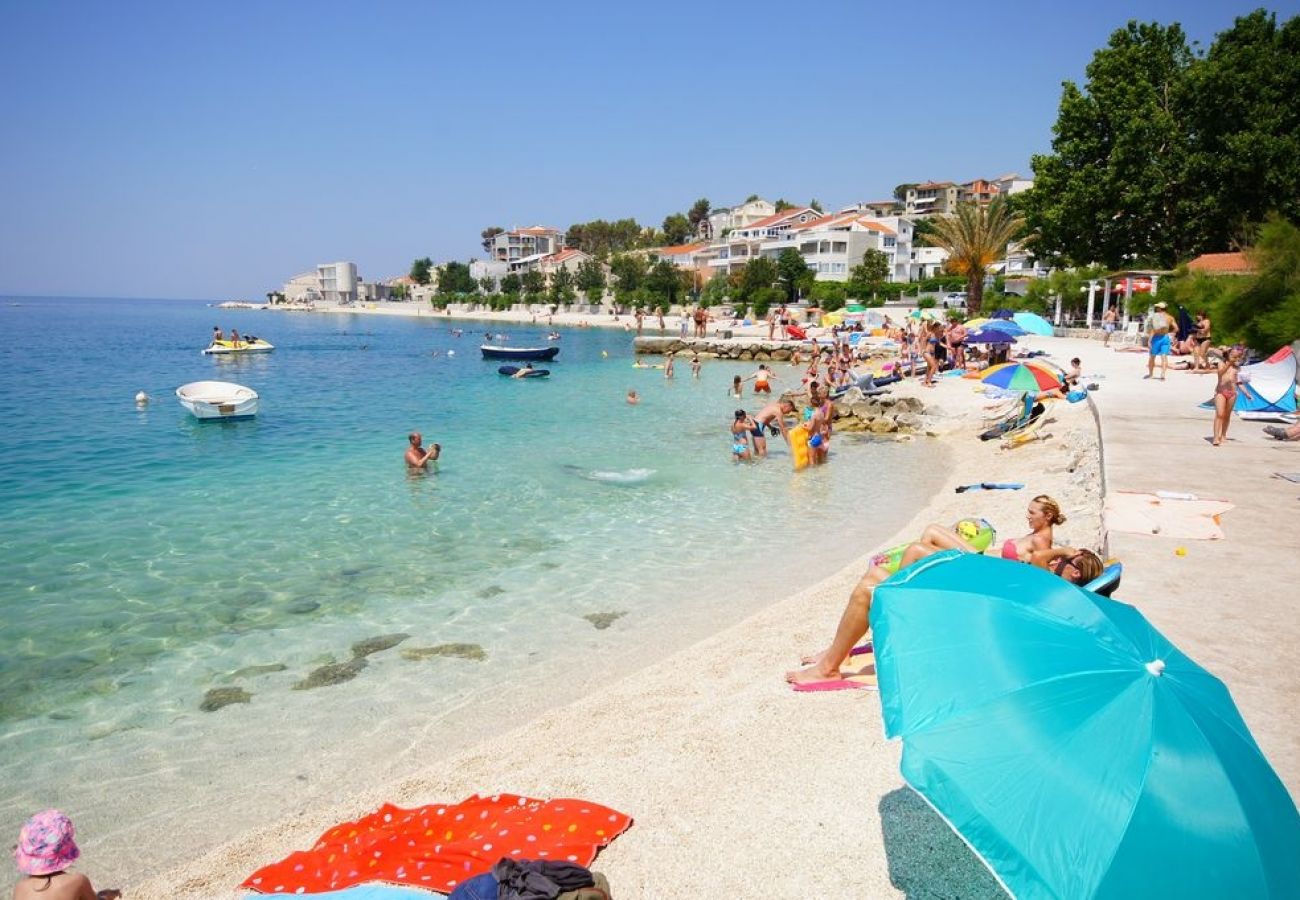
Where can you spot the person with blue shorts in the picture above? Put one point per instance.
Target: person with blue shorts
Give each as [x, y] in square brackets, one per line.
[1160, 325]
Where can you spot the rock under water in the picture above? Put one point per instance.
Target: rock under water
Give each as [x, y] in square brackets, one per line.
[458, 651]
[492, 590]
[254, 671]
[375, 644]
[603, 620]
[216, 698]
[331, 673]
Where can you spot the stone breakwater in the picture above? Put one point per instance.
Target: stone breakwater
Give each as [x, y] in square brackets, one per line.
[717, 348]
[882, 414]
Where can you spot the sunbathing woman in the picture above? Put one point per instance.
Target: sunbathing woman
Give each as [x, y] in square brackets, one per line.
[1081, 567]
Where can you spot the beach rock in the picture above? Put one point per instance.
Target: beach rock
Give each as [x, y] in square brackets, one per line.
[254, 671]
[302, 607]
[216, 698]
[457, 651]
[492, 590]
[882, 425]
[362, 649]
[603, 620]
[332, 673]
[851, 396]
[780, 354]
[907, 420]
[910, 404]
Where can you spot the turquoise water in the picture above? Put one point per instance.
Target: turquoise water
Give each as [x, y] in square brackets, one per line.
[149, 557]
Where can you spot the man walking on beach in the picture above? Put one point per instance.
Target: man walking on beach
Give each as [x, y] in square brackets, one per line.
[416, 456]
[1160, 325]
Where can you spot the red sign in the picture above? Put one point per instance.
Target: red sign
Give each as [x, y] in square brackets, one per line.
[1140, 285]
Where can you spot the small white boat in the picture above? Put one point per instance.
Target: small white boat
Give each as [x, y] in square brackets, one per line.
[256, 345]
[218, 400]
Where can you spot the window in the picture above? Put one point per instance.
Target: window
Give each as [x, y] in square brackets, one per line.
[889, 241]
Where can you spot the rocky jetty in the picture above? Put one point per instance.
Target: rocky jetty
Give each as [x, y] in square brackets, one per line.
[716, 348]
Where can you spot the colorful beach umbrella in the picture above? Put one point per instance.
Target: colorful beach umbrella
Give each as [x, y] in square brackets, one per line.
[977, 322]
[920, 314]
[1021, 376]
[1076, 750]
[1033, 323]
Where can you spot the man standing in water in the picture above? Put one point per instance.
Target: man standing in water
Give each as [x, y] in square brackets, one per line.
[416, 456]
[770, 417]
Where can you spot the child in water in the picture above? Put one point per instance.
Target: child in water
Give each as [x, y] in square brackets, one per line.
[633, 398]
[45, 851]
[737, 390]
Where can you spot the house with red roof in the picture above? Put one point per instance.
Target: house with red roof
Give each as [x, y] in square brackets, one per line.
[832, 245]
[1222, 264]
[744, 243]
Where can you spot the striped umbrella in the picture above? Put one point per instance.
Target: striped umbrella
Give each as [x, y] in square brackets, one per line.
[1021, 376]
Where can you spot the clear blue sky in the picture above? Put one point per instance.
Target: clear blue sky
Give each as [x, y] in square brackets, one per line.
[178, 149]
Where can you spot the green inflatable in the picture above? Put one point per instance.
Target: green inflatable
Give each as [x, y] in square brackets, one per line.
[976, 532]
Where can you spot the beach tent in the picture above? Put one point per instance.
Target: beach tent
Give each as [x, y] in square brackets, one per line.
[1272, 386]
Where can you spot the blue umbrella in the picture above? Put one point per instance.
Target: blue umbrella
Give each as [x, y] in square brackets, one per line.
[989, 336]
[1003, 313]
[1005, 325]
[1070, 744]
[1033, 323]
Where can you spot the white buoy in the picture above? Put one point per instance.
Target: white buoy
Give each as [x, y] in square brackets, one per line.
[451, 352]
[141, 398]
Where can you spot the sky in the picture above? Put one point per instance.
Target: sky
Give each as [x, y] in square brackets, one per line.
[214, 150]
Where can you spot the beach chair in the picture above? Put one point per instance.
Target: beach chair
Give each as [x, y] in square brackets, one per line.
[1028, 413]
[1026, 434]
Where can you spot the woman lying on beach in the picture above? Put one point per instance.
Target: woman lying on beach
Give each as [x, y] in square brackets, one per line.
[45, 851]
[1074, 565]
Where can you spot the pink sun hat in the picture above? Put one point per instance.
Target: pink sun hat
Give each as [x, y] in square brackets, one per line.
[45, 844]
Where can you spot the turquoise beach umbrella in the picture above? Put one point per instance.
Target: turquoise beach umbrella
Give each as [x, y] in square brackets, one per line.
[1070, 744]
[1033, 323]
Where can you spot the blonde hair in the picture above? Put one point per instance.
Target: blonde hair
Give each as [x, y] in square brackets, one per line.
[1051, 508]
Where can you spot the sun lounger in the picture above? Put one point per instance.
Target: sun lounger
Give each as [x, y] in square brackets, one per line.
[1029, 413]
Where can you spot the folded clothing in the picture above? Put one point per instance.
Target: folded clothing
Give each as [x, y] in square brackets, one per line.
[439, 846]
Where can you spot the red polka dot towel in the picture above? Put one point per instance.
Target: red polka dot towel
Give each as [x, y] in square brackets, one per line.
[438, 846]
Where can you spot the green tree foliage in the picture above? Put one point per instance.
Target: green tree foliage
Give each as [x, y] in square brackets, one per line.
[783, 204]
[752, 197]
[677, 229]
[629, 271]
[872, 272]
[816, 204]
[716, 292]
[487, 234]
[664, 282]
[454, 278]
[562, 286]
[601, 238]
[1265, 313]
[511, 285]
[533, 283]
[900, 191]
[698, 212]
[488, 285]
[975, 238]
[591, 280]
[793, 273]
[828, 295]
[758, 273]
[1164, 154]
[763, 299]
[422, 271]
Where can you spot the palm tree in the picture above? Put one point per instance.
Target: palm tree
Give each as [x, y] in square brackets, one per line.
[975, 238]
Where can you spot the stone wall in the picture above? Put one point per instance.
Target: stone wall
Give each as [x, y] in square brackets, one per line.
[881, 414]
[716, 348]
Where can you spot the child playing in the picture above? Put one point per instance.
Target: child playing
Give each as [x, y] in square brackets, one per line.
[1225, 393]
[45, 851]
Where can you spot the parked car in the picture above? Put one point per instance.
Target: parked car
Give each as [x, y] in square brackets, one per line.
[953, 301]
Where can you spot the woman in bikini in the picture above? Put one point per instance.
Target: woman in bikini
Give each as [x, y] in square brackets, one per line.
[1201, 349]
[1042, 514]
[931, 353]
[1225, 393]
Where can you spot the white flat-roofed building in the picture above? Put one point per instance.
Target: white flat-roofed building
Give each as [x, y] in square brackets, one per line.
[338, 282]
[1012, 183]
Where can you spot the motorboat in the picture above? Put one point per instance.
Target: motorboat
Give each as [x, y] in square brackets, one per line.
[496, 351]
[252, 345]
[218, 400]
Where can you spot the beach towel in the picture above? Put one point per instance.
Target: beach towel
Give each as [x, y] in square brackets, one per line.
[438, 846]
[1137, 513]
[367, 892]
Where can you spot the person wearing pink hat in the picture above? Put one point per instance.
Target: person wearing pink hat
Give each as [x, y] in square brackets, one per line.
[46, 848]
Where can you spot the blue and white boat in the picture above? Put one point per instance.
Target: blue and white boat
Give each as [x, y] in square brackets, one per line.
[218, 400]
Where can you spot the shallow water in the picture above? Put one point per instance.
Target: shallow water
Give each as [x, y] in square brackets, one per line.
[149, 558]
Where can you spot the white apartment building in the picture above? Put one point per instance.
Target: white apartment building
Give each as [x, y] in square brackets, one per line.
[927, 261]
[931, 198]
[513, 247]
[721, 221]
[1012, 183]
[333, 283]
[832, 245]
[747, 241]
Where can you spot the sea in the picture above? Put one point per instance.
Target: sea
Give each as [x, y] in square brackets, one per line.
[209, 626]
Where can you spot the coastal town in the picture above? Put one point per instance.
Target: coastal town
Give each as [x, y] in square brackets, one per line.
[939, 545]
